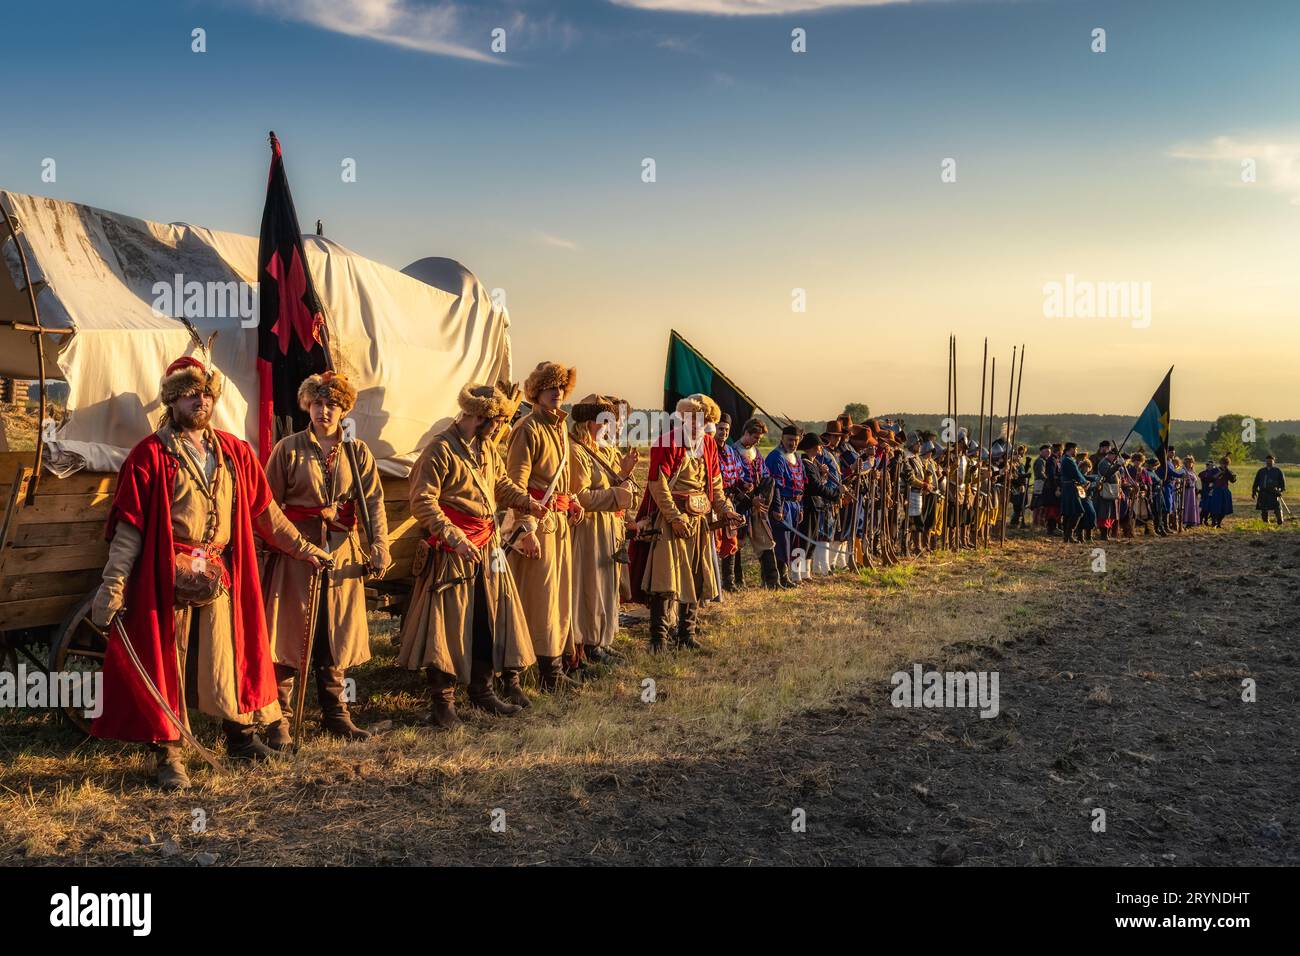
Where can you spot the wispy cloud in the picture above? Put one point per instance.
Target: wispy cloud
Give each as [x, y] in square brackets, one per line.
[439, 27]
[677, 44]
[1276, 164]
[556, 242]
[743, 8]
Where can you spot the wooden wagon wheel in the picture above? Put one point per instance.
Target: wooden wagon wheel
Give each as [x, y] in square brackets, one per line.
[78, 646]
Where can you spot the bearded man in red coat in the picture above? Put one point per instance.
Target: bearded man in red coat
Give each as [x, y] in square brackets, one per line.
[182, 575]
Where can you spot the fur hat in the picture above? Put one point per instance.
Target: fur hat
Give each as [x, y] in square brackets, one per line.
[590, 408]
[184, 375]
[550, 375]
[485, 401]
[329, 385]
[700, 404]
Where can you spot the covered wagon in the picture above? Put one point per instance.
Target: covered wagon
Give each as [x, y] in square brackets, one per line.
[104, 302]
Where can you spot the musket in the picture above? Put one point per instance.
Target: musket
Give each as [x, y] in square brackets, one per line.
[158, 699]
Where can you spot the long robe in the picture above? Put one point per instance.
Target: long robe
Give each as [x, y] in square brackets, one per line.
[298, 479]
[595, 540]
[438, 629]
[537, 450]
[159, 501]
[682, 566]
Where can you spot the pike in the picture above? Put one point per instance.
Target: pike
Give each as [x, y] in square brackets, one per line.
[986, 481]
[158, 699]
[1006, 456]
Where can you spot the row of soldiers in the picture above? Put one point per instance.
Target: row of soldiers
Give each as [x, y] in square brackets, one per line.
[856, 494]
[1114, 492]
[227, 582]
[200, 616]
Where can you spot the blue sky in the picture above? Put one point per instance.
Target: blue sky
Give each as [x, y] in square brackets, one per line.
[775, 170]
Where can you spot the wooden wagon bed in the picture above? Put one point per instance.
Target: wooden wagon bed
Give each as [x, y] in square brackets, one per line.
[52, 548]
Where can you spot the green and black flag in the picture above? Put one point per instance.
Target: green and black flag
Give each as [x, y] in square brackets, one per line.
[689, 372]
[1152, 425]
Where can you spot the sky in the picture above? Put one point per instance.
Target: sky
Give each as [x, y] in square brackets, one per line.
[829, 171]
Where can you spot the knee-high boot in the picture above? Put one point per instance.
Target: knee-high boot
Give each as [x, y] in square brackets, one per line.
[687, 615]
[279, 735]
[767, 570]
[334, 716]
[442, 690]
[658, 621]
[481, 695]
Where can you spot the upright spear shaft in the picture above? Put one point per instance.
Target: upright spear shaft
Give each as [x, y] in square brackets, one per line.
[1008, 448]
[1015, 420]
[983, 527]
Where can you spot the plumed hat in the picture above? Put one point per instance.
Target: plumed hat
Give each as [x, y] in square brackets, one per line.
[186, 374]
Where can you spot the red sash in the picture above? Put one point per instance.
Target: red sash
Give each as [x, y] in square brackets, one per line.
[558, 501]
[477, 530]
[344, 520]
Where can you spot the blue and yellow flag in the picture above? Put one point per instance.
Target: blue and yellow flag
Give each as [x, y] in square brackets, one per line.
[1152, 425]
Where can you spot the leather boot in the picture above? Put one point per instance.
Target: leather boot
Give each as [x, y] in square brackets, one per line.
[728, 576]
[335, 719]
[783, 575]
[767, 570]
[512, 690]
[243, 744]
[687, 616]
[481, 695]
[170, 773]
[738, 572]
[658, 621]
[551, 676]
[279, 735]
[442, 690]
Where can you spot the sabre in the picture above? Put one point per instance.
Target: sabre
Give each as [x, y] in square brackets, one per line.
[308, 642]
[158, 699]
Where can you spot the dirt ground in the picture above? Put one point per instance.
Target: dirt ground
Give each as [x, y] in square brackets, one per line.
[1129, 701]
[1120, 691]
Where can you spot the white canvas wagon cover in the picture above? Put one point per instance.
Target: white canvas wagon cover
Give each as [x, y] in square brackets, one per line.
[408, 340]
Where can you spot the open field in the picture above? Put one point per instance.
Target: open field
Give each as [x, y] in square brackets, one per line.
[1120, 691]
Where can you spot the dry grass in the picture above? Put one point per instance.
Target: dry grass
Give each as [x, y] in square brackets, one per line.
[769, 657]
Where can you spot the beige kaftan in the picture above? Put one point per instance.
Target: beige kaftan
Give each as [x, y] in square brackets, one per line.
[538, 449]
[297, 475]
[683, 566]
[438, 630]
[595, 539]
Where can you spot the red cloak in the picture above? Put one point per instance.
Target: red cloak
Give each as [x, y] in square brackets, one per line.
[144, 501]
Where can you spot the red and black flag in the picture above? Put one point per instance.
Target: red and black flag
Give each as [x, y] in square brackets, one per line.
[291, 335]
